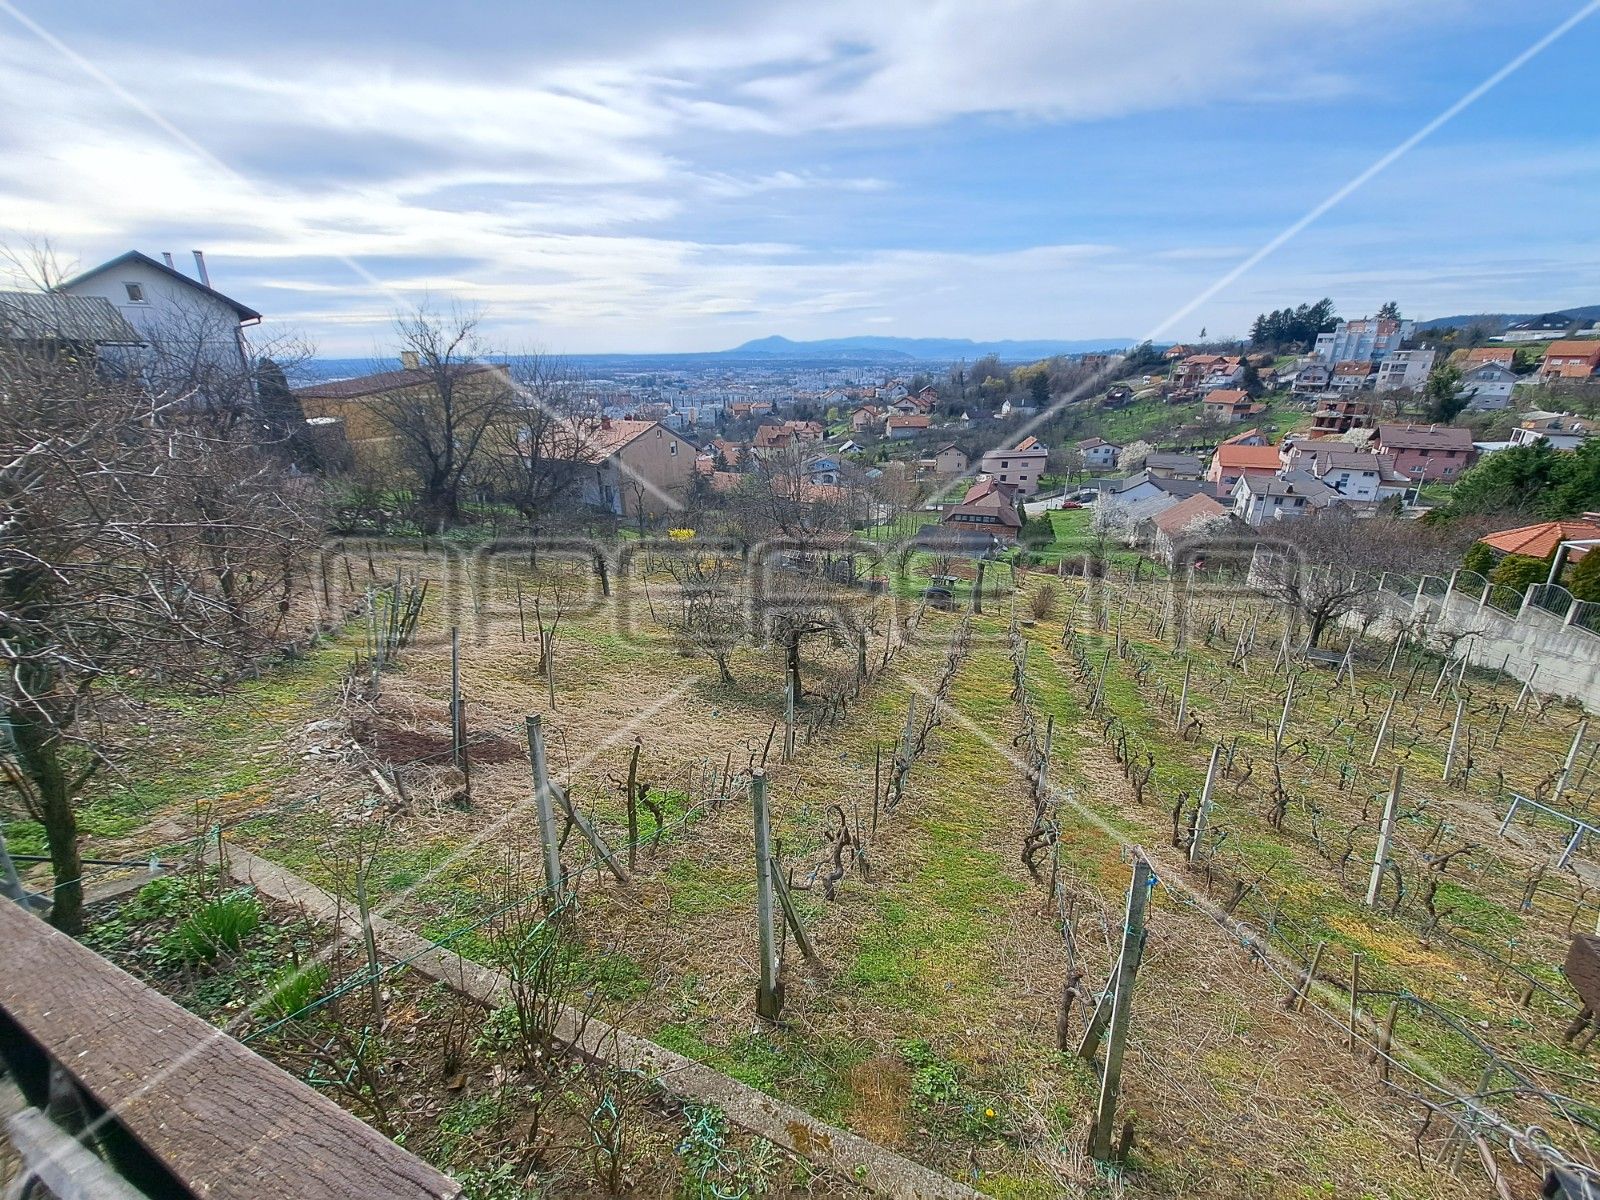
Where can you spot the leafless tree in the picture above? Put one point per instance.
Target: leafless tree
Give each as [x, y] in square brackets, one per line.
[440, 426]
[541, 447]
[1327, 565]
[712, 615]
[137, 543]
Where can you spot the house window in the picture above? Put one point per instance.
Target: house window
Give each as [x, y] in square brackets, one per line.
[135, 293]
[672, 448]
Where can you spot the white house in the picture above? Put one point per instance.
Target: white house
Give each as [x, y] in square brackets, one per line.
[1364, 340]
[1487, 387]
[1019, 467]
[1562, 430]
[1537, 329]
[169, 309]
[1312, 377]
[1258, 499]
[1222, 375]
[1098, 454]
[1355, 475]
[1404, 369]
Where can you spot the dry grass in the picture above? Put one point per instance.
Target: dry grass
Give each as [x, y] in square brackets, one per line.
[942, 966]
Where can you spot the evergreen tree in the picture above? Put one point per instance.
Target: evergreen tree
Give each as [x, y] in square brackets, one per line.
[1584, 581]
[1519, 572]
[1479, 560]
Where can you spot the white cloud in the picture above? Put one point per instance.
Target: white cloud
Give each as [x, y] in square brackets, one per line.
[583, 200]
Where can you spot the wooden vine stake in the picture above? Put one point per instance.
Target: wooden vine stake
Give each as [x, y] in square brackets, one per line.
[549, 839]
[1571, 760]
[1380, 857]
[1383, 728]
[1119, 1002]
[1455, 739]
[1204, 812]
[769, 988]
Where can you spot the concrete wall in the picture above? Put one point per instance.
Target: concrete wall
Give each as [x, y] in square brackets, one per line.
[1567, 656]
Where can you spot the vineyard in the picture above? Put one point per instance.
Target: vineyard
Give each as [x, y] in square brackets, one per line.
[1337, 885]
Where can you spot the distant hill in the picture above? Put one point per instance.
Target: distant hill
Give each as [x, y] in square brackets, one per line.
[1499, 322]
[919, 349]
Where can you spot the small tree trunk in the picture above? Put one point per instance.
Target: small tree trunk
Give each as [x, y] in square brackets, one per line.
[1317, 623]
[40, 752]
[792, 664]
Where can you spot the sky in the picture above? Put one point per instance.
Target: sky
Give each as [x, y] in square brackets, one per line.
[647, 177]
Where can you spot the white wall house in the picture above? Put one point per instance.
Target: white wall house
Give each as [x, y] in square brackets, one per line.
[1019, 468]
[1404, 369]
[1366, 340]
[172, 311]
[1098, 454]
[1488, 386]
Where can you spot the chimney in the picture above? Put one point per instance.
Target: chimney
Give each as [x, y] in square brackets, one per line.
[200, 267]
[409, 360]
[605, 422]
[166, 257]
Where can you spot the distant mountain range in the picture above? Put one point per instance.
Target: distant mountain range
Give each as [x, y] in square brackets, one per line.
[941, 350]
[1498, 322]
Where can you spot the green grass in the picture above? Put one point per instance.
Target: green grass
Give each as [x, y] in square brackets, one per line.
[222, 756]
[801, 1068]
[1144, 420]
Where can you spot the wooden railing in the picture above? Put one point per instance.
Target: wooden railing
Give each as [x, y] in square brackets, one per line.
[172, 1104]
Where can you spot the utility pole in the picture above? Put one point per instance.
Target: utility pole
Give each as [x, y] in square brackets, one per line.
[549, 840]
[1133, 934]
[1385, 836]
[769, 990]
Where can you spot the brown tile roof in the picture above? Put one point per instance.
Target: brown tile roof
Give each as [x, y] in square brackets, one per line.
[989, 487]
[1247, 458]
[384, 381]
[1538, 541]
[603, 440]
[1227, 396]
[908, 421]
[1573, 348]
[991, 504]
[1424, 437]
[1239, 439]
[1026, 444]
[770, 437]
[1180, 516]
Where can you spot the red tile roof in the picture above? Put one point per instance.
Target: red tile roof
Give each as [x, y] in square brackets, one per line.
[1247, 458]
[1538, 541]
[1573, 348]
[1185, 513]
[600, 441]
